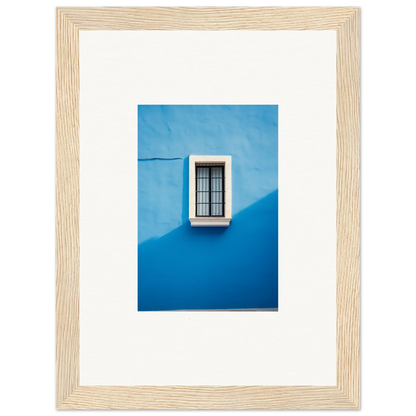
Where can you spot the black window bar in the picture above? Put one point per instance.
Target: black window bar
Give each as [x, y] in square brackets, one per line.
[210, 190]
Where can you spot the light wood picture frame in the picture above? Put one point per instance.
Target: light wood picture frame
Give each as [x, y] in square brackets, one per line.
[346, 394]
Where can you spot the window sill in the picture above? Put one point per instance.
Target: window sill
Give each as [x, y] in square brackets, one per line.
[210, 221]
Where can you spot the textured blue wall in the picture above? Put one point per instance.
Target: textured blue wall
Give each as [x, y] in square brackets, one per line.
[180, 267]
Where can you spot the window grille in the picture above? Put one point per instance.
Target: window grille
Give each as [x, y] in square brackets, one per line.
[210, 190]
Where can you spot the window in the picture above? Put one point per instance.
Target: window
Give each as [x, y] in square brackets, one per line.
[210, 191]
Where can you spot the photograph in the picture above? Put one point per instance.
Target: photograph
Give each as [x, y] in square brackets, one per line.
[208, 207]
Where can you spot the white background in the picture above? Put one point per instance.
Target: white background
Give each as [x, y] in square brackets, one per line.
[295, 346]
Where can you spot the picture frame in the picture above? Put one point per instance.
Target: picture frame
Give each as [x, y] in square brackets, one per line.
[70, 394]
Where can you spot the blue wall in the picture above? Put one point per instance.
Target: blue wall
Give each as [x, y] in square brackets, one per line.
[180, 267]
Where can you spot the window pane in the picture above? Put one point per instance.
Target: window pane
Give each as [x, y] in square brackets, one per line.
[202, 197]
[216, 172]
[202, 209]
[202, 172]
[216, 184]
[202, 191]
[202, 184]
[216, 197]
[216, 209]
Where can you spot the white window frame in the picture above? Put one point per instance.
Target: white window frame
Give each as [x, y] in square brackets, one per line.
[210, 221]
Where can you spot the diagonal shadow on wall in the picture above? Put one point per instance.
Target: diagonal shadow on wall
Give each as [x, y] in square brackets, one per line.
[214, 268]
